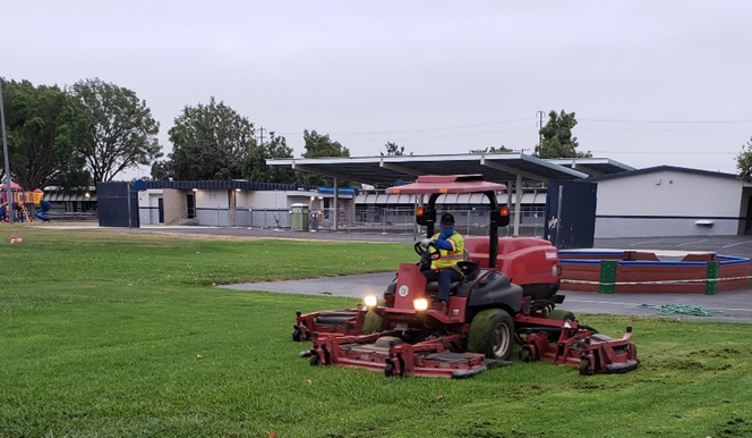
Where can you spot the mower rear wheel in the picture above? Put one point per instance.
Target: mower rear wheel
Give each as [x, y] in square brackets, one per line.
[492, 333]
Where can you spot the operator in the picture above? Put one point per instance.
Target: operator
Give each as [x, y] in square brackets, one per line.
[445, 269]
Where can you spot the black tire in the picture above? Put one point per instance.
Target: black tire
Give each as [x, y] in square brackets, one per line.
[561, 315]
[389, 370]
[526, 355]
[315, 360]
[558, 315]
[373, 323]
[585, 367]
[492, 334]
[296, 334]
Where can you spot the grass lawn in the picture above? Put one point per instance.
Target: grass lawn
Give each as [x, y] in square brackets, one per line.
[124, 335]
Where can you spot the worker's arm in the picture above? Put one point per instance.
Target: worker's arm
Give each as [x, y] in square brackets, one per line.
[448, 244]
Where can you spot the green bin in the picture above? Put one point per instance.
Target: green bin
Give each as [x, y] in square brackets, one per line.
[299, 217]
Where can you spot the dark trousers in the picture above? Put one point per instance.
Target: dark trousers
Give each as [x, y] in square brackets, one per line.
[445, 277]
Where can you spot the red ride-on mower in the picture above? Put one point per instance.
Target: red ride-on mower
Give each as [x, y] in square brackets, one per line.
[507, 293]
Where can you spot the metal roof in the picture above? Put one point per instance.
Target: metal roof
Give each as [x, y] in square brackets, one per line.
[593, 166]
[662, 169]
[388, 169]
[227, 185]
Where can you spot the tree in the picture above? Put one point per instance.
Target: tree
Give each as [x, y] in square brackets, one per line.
[255, 167]
[744, 162]
[557, 140]
[209, 142]
[44, 126]
[122, 132]
[491, 150]
[393, 149]
[319, 146]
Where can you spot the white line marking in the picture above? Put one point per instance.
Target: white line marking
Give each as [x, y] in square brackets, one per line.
[643, 243]
[738, 243]
[690, 243]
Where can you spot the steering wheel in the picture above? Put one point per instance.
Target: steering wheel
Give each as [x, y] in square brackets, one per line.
[427, 253]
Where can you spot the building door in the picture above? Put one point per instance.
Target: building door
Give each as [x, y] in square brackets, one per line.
[748, 219]
[191, 202]
[160, 209]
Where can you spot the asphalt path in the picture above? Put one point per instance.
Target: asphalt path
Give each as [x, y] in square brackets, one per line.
[732, 306]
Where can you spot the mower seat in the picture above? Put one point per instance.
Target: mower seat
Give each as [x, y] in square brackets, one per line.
[433, 286]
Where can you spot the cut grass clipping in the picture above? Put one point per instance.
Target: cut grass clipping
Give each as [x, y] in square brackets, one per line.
[123, 334]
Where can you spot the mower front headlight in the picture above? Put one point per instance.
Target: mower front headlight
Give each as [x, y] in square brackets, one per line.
[421, 304]
[371, 301]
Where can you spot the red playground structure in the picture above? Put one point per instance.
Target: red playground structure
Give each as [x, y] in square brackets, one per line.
[22, 201]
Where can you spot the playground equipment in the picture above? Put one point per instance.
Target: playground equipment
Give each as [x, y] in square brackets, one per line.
[21, 201]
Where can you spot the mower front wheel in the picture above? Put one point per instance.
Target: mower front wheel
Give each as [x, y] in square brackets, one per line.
[389, 370]
[526, 354]
[315, 360]
[492, 334]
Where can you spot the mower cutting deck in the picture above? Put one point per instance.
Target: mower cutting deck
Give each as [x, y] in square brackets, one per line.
[410, 334]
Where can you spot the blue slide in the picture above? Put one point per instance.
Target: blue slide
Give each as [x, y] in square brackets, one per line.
[41, 212]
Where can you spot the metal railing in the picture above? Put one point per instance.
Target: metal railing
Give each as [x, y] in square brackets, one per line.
[365, 220]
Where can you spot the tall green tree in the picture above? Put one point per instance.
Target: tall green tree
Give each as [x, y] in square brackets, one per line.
[317, 146]
[255, 167]
[44, 126]
[209, 142]
[744, 162]
[557, 140]
[491, 150]
[122, 133]
[393, 149]
[320, 146]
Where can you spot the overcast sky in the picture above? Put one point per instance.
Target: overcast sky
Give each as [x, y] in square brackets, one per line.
[651, 82]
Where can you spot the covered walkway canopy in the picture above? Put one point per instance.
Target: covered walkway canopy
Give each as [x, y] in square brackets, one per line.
[511, 169]
[388, 169]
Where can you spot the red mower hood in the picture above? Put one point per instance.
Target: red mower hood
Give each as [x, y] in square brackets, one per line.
[448, 184]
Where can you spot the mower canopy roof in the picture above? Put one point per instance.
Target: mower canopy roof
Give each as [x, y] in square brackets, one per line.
[448, 184]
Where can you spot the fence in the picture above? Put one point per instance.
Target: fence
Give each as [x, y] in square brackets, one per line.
[375, 220]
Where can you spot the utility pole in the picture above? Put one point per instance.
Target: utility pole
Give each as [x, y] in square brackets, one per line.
[540, 126]
[261, 135]
[9, 205]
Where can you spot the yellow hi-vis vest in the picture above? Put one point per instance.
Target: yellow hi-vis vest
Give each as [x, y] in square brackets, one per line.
[449, 258]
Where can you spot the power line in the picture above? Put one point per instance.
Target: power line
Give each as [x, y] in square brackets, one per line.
[665, 121]
[658, 130]
[423, 129]
[665, 153]
[436, 137]
[539, 124]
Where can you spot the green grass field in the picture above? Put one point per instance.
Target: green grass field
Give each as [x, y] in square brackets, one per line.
[124, 335]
